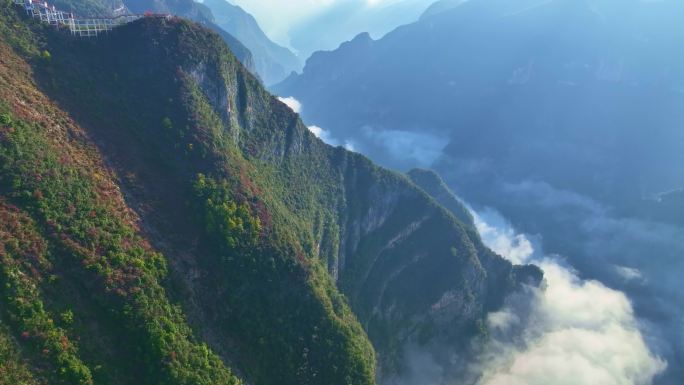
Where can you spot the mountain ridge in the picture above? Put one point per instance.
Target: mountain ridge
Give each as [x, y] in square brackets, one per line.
[199, 13]
[246, 221]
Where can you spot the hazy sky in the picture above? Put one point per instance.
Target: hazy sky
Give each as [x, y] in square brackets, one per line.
[277, 17]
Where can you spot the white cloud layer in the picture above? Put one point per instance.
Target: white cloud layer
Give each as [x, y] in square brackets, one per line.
[421, 148]
[294, 104]
[501, 238]
[324, 135]
[629, 273]
[572, 332]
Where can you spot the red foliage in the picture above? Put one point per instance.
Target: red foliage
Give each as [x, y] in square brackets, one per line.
[64, 341]
[35, 273]
[264, 217]
[301, 257]
[93, 232]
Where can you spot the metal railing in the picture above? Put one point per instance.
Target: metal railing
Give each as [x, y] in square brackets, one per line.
[85, 27]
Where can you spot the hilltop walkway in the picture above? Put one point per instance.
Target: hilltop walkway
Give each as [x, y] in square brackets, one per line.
[85, 27]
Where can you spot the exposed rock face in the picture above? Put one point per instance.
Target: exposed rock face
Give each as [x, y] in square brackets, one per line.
[414, 274]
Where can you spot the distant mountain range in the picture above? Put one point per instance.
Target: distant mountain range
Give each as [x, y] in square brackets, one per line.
[342, 20]
[515, 82]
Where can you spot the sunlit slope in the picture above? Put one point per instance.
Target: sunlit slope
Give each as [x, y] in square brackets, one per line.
[189, 229]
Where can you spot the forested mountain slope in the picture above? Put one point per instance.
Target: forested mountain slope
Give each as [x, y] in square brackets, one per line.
[183, 8]
[167, 221]
[198, 13]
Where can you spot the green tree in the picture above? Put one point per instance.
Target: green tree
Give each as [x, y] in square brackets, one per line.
[6, 119]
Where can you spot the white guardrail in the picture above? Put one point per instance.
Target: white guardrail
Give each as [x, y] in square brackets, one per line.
[85, 27]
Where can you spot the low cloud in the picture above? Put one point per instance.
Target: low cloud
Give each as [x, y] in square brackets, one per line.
[415, 148]
[326, 137]
[294, 104]
[629, 273]
[641, 258]
[569, 332]
[501, 238]
[601, 239]
[349, 146]
[322, 134]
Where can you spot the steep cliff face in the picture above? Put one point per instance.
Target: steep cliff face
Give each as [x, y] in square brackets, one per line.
[415, 275]
[218, 237]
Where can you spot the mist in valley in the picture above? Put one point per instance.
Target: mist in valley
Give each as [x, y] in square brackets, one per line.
[342, 192]
[559, 119]
[609, 309]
